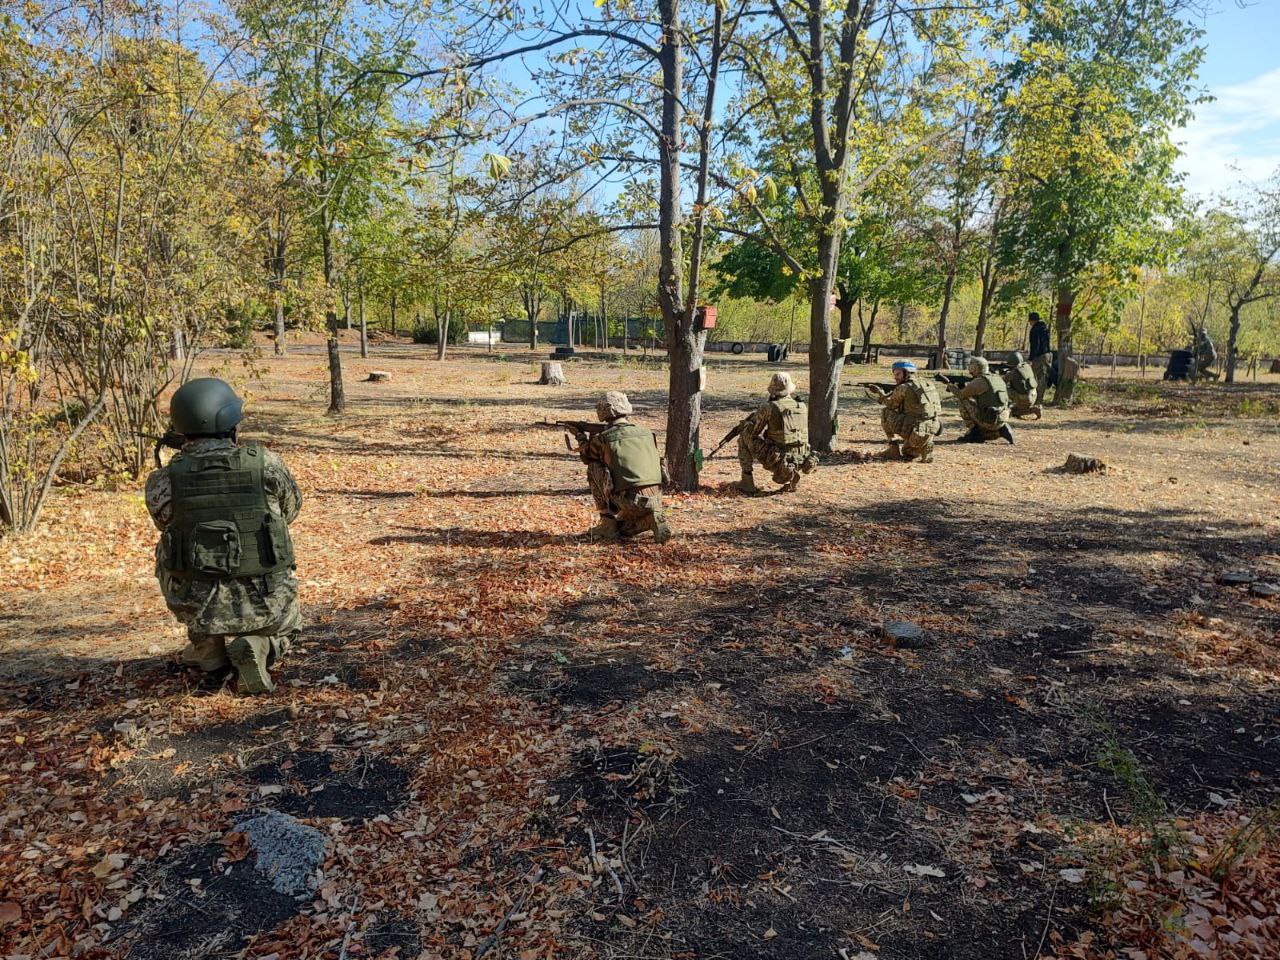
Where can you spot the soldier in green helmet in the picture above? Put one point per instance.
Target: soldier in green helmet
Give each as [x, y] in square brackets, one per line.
[225, 559]
[1024, 396]
[624, 470]
[910, 414]
[777, 437]
[984, 404]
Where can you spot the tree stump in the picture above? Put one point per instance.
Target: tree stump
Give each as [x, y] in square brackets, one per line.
[1079, 463]
[552, 374]
[377, 376]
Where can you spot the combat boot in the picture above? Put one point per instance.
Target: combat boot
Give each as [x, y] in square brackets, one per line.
[892, 452]
[661, 532]
[1006, 432]
[606, 531]
[973, 436]
[747, 484]
[926, 455]
[791, 484]
[250, 661]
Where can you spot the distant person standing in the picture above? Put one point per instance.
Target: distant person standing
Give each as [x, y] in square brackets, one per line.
[1040, 353]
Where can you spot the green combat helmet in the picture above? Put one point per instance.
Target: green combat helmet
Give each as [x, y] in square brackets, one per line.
[206, 407]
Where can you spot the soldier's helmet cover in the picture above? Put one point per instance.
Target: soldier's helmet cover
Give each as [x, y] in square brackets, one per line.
[613, 405]
[978, 366]
[205, 407]
[781, 385]
[905, 365]
[1015, 358]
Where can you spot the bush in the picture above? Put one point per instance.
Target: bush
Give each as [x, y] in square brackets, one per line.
[425, 332]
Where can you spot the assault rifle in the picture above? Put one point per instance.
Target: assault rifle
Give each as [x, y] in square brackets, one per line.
[953, 379]
[581, 429]
[171, 439]
[727, 437]
[886, 387]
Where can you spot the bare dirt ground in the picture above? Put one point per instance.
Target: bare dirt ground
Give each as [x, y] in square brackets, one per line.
[524, 745]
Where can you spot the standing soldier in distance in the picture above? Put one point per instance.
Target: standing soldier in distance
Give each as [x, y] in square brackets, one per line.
[910, 414]
[984, 404]
[225, 559]
[1040, 353]
[776, 436]
[625, 474]
[1024, 395]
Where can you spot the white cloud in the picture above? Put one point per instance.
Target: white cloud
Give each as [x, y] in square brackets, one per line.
[1234, 138]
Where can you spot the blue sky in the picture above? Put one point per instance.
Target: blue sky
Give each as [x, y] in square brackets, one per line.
[1238, 135]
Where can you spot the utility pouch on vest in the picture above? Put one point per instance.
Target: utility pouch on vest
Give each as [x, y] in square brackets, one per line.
[215, 548]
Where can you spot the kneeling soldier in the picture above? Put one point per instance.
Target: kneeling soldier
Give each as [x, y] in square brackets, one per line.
[777, 437]
[910, 414]
[225, 558]
[625, 473]
[1024, 394]
[984, 404]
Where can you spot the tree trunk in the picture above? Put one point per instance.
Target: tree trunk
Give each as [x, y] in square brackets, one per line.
[393, 313]
[1066, 384]
[1232, 336]
[337, 396]
[684, 344]
[947, 290]
[364, 327]
[178, 345]
[346, 307]
[278, 273]
[902, 322]
[824, 366]
[984, 307]
[443, 318]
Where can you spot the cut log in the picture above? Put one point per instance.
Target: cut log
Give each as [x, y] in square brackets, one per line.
[552, 374]
[377, 376]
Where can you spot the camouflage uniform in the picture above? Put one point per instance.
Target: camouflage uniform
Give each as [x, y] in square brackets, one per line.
[635, 510]
[911, 413]
[1023, 390]
[777, 437]
[625, 474]
[231, 620]
[984, 405]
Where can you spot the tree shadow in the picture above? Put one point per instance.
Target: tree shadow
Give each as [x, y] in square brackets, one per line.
[480, 539]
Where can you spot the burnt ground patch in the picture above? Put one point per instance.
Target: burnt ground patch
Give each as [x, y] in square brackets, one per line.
[363, 786]
[176, 765]
[215, 917]
[801, 814]
[392, 936]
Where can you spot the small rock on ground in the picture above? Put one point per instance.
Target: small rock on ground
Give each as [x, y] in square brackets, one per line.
[1237, 577]
[903, 633]
[1265, 589]
[288, 852]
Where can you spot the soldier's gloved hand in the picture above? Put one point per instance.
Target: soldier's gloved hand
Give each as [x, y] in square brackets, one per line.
[874, 390]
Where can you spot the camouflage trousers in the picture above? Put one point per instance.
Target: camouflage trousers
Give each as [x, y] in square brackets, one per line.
[916, 434]
[1024, 404]
[1041, 366]
[635, 510]
[785, 465]
[990, 430]
[244, 622]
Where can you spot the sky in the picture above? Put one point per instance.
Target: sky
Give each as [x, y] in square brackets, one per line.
[1237, 136]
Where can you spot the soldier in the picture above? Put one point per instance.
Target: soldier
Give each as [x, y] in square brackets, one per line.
[776, 435]
[625, 473]
[1024, 391]
[910, 412]
[1041, 353]
[225, 558]
[984, 404]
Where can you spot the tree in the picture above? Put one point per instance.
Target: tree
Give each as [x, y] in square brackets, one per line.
[326, 67]
[1093, 90]
[1241, 244]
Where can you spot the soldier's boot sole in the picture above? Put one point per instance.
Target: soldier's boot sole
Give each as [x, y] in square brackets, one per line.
[1006, 433]
[251, 667]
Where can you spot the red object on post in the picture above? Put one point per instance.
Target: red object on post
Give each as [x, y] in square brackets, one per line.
[706, 316]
